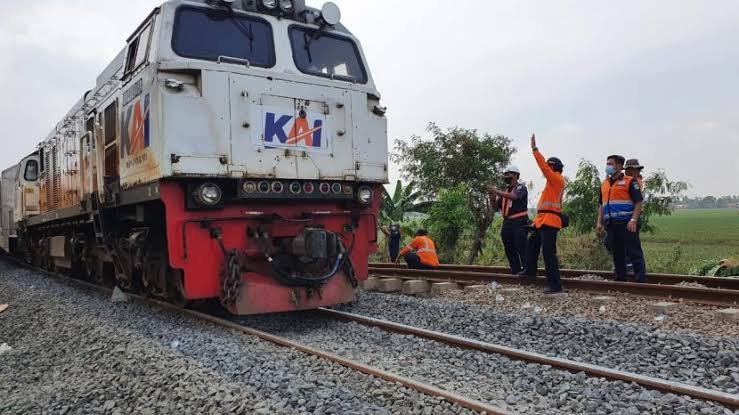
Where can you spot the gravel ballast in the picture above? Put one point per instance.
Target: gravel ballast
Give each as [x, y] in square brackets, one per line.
[69, 350]
[522, 387]
[710, 362]
[684, 316]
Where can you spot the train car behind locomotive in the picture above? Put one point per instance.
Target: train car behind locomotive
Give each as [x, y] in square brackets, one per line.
[234, 150]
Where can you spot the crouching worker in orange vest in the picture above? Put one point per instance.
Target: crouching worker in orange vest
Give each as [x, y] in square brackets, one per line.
[421, 253]
[548, 222]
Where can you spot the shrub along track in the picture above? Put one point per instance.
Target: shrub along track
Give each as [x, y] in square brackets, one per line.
[718, 291]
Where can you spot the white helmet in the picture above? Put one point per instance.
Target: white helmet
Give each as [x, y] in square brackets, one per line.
[512, 169]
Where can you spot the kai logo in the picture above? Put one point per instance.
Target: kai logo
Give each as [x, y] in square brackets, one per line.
[287, 131]
[135, 128]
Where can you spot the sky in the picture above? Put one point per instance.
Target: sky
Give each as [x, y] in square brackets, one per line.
[657, 80]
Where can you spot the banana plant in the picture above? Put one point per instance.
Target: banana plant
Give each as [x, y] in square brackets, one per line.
[405, 200]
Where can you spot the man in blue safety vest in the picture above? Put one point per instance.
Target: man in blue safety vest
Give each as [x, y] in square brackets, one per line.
[619, 212]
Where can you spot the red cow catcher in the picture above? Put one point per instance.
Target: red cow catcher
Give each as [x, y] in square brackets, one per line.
[268, 257]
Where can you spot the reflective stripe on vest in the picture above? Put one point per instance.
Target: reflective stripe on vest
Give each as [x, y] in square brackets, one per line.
[556, 206]
[616, 198]
[427, 247]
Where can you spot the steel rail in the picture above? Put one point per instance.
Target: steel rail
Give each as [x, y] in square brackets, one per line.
[726, 399]
[713, 296]
[421, 387]
[652, 278]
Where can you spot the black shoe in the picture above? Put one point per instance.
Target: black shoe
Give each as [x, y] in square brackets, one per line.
[549, 291]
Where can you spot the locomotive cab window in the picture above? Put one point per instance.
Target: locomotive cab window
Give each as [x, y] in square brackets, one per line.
[221, 34]
[32, 170]
[138, 50]
[111, 122]
[111, 143]
[327, 55]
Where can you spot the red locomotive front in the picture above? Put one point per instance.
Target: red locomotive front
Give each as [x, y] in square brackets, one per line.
[278, 247]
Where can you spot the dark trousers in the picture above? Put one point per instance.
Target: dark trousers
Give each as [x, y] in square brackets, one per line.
[513, 235]
[393, 246]
[544, 240]
[414, 262]
[624, 243]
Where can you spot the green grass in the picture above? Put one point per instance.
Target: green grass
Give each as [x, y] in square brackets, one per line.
[688, 237]
[682, 242]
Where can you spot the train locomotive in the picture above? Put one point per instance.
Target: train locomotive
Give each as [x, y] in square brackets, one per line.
[234, 151]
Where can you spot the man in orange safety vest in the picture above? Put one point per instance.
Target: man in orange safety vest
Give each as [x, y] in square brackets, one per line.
[549, 220]
[420, 253]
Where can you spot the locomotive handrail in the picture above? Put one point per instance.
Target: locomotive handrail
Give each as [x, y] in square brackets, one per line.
[231, 59]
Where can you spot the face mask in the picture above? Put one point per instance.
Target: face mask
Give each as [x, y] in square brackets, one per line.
[509, 180]
[610, 170]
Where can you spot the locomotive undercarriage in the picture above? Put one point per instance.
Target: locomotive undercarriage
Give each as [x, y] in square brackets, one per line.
[131, 254]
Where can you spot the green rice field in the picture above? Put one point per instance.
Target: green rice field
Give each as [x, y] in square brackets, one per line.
[688, 237]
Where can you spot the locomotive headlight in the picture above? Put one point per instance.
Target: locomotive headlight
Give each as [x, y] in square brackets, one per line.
[269, 4]
[250, 187]
[330, 14]
[286, 6]
[364, 195]
[208, 195]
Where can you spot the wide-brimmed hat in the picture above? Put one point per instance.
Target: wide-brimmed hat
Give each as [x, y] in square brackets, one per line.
[633, 164]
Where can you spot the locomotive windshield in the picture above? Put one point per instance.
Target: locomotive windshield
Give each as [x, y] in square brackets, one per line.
[326, 55]
[212, 34]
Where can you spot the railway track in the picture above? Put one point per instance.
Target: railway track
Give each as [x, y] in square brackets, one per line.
[232, 324]
[717, 291]
[652, 278]
[666, 386]
[725, 399]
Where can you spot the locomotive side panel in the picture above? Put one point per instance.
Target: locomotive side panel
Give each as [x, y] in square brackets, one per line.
[27, 192]
[7, 206]
[140, 148]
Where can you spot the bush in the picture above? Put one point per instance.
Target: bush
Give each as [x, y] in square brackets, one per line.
[493, 252]
[672, 262]
[583, 251]
[723, 268]
[448, 222]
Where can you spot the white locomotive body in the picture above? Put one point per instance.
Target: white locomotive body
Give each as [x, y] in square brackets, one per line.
[215, 111]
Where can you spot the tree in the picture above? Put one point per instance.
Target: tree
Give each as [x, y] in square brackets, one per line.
[660, 195]
[405, 200]
[458, 157]
[449, 219]
[708, 202]
[583, 194]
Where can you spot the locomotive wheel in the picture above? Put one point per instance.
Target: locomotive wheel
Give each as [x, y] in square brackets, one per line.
[176, 288]
[129, 283]
[92, 267]
[154, 276]
[91, 270]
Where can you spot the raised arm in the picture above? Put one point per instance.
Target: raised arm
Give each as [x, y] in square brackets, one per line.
[550, 174]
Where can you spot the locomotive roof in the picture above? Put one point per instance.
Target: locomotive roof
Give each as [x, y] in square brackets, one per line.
[114, 70]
